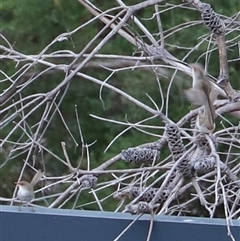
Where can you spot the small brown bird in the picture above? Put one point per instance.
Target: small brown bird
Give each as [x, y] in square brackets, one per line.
[202, 93]
[25, 189]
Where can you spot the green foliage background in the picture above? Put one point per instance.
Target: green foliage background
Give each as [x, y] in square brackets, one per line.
[30, 25]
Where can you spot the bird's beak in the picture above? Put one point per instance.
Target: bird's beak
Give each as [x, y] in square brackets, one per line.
[16, 183]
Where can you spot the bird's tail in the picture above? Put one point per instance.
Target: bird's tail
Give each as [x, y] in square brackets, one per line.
[37, 177]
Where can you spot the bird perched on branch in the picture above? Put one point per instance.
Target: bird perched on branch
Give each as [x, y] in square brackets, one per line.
[26, 190]
[203, 94]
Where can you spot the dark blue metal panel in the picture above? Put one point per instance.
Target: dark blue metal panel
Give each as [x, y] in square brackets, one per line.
[71, 225]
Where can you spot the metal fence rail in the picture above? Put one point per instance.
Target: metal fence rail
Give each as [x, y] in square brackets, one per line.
[71, 225]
